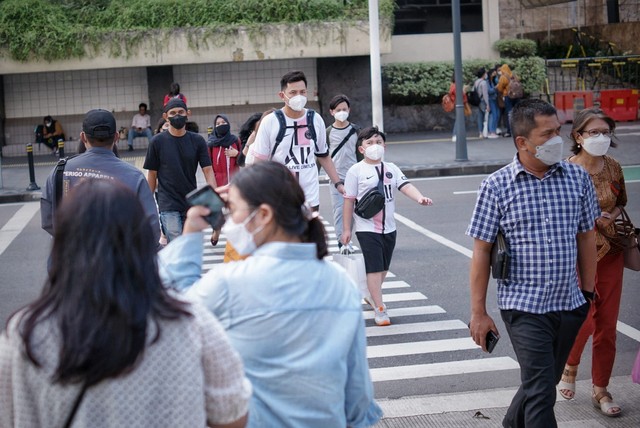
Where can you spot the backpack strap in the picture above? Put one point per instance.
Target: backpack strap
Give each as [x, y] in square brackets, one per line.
[281, 131]
[283, 128]
[343, 142]
[60, 166]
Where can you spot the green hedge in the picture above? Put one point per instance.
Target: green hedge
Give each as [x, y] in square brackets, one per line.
[426, 82]
[62, 29]
[515, 48]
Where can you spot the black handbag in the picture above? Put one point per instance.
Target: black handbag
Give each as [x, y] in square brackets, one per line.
[500, 258]
[373, 201]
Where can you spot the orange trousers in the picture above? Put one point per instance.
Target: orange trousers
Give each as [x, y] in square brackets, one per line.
[601, 320]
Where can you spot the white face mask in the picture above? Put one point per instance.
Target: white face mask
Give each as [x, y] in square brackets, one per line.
[238, 235]
[374, 152]
[298, 102]
[596, 146]
[550, 152]
[341, 116]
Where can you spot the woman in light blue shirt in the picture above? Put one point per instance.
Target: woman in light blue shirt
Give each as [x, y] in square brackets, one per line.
[295, 318]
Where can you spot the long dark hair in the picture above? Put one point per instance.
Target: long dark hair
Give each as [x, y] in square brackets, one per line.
[103, 286]
[273, 184]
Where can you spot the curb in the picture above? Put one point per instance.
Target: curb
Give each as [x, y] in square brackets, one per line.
[27, 196]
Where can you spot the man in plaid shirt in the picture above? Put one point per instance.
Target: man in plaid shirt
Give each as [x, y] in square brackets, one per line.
[546, 210]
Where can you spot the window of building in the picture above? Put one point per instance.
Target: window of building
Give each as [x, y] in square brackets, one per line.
[434, 16]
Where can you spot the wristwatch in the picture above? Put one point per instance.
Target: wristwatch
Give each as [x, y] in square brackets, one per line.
[337, 183]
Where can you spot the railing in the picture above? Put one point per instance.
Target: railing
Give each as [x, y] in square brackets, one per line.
[593, 73]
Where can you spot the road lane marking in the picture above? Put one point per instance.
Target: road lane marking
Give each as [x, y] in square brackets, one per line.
[418, 327]
[429, 234]
[465, 192]
[629, 331]
[407, 312]
[404, 297]
[423, 347]
[443, 369]
[16, 224]
[388, 285]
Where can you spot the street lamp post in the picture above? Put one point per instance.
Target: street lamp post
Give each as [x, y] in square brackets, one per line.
[374, 53]
[460, 131]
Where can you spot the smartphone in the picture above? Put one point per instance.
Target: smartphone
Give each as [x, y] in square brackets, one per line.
[491, 341]
[208, 197]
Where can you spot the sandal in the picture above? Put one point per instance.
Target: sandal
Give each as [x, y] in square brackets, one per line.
[568, 389]
[606, 407]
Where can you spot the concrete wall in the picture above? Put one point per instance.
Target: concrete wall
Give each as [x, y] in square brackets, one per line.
[439, 47]
[203, 46]
[351, 77]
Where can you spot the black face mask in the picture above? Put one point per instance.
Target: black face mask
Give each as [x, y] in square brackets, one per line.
[178, 121]
[223, 129]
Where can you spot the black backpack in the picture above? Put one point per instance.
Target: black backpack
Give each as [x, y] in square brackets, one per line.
[283, 128]
[473, 97]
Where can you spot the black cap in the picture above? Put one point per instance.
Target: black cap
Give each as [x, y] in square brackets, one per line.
[174, 103]
[99, 123]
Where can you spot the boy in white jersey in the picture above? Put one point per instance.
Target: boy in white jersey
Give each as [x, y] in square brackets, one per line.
[376, 235]
[297, 150]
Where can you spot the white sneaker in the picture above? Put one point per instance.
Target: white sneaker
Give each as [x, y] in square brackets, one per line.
[380, 316]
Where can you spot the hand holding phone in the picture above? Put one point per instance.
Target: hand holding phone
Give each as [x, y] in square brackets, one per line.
[208, 197]
[491, 341]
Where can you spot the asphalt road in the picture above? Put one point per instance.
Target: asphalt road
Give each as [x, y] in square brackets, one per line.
[427, 348]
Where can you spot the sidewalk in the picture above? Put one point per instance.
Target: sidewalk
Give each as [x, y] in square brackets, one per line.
[461, 410]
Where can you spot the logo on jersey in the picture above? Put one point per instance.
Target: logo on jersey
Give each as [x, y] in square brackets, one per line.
[389, 175]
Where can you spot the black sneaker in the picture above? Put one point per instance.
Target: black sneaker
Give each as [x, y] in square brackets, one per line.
[130, 148]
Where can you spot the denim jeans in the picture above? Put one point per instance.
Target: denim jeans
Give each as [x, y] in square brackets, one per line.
[146, 132]
[494, 116]
[172, 223]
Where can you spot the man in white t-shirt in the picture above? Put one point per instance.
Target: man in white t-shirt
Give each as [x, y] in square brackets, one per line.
[298, 149]
[376, 235]
[140, 126]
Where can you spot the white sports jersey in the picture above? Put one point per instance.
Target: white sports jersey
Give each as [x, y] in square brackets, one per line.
[297, 151]
[363, 177]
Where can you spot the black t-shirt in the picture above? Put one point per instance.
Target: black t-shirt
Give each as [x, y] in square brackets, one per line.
[176, 160]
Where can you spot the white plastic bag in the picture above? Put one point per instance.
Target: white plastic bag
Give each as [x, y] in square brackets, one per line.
[354, 265]
[485, 125]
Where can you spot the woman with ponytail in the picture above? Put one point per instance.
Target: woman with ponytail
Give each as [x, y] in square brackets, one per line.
[295, 318]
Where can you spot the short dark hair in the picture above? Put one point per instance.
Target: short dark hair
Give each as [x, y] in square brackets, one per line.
[174, 89]
[108, 311]
[480, 72]
[523, 116]
[582, 119]
[369, 132]
[273, 184]
[292, 77]
[340, 98]
[47, 119]
[143, 105]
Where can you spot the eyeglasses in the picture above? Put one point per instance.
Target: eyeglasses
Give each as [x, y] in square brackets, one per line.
[597, 132]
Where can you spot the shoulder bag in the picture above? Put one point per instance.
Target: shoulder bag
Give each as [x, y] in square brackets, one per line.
[626, 239]
[373, 201]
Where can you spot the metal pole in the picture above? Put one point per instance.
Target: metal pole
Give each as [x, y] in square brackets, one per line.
[376, 79]
[32, 172]
[461, 133]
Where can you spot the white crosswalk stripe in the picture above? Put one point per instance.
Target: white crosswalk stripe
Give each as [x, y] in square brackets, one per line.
[410, 315]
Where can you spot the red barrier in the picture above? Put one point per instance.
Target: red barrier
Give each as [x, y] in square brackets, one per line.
[620, 104]
[569, 102]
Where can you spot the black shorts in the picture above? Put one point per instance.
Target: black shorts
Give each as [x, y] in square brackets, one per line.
[377, 250]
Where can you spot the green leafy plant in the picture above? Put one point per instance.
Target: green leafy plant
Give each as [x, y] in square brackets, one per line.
[515, 48]
[426, 82]
[62, 29]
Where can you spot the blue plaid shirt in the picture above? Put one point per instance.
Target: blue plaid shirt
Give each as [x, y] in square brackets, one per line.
[539, 219]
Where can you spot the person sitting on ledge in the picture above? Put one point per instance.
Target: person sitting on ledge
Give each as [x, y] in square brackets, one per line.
[49, 133]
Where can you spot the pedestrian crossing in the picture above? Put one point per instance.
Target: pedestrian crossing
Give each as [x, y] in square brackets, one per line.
[420, 333]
